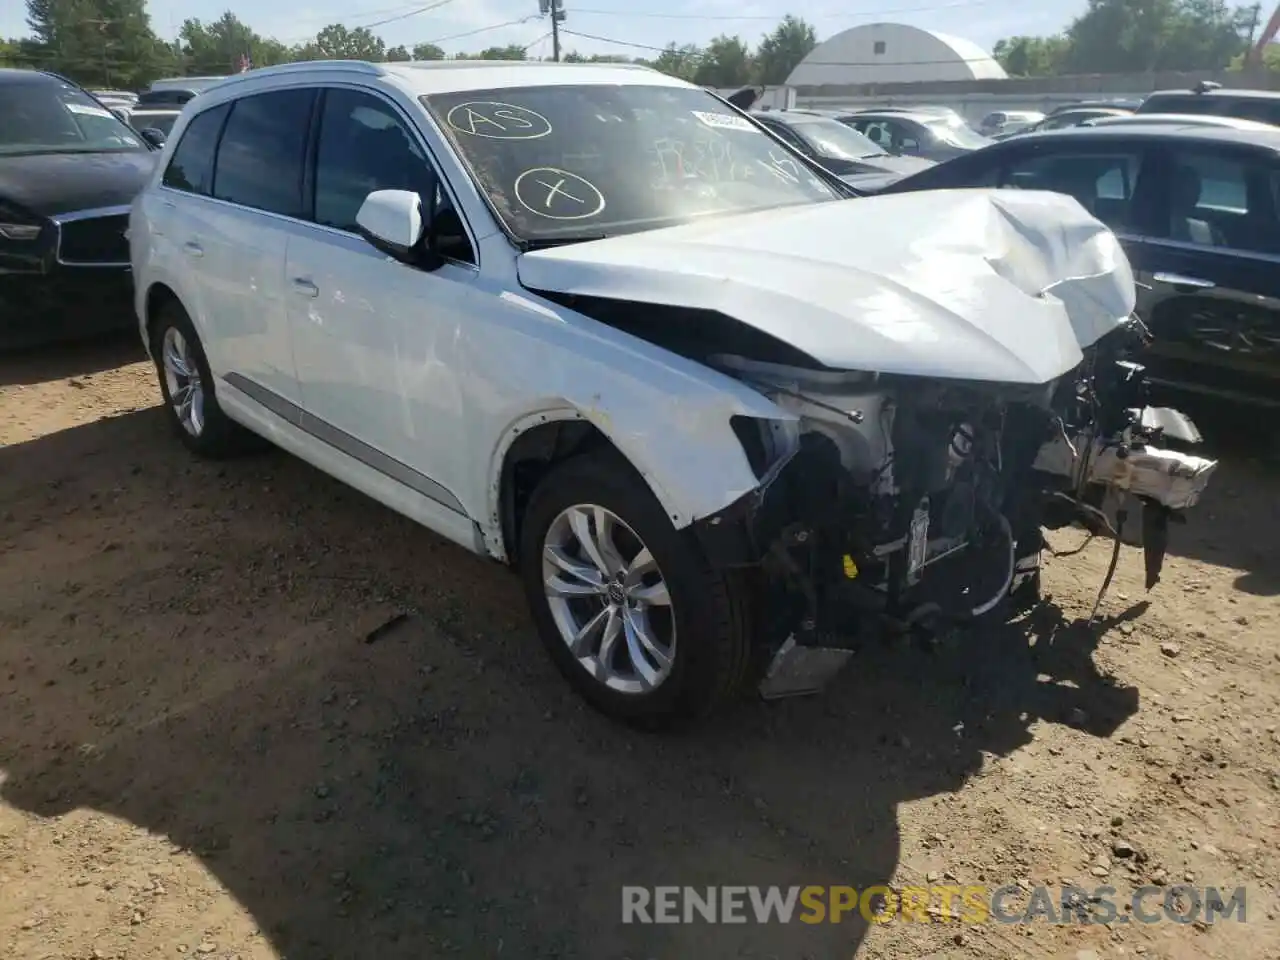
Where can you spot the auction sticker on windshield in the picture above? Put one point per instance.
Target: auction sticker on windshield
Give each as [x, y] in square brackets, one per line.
[723, 121]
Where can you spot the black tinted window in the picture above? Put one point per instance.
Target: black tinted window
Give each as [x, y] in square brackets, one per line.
[261, 154]
[1101, 180]
[1217, 200]
[191, 167]
[363, 147]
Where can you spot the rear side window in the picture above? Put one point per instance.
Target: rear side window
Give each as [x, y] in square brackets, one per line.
[260, 158]
[1101, 181]
[191, 167]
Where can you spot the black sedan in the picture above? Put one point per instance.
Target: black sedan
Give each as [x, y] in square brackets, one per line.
[1198, 212]
[839, 148]
[68, 171]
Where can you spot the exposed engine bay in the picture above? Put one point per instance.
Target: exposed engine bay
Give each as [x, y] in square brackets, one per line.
[916, 505]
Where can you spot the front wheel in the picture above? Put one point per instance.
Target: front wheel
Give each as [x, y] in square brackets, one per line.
[625, 603]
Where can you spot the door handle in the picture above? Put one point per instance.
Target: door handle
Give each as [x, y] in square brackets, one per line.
[193, 249]
[1178, 280]
[305, 287]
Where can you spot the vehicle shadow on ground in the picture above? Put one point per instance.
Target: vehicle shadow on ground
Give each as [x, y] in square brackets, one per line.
[184, 645]
[42, 364]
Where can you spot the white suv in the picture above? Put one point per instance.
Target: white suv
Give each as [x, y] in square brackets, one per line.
[593, 321]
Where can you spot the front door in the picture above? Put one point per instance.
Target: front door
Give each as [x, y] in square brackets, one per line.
[375, 340]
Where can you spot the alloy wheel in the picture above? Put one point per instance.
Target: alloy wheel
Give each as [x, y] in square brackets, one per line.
[182, 378]
[608, 599]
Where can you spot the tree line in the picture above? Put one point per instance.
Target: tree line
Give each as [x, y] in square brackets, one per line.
[111, 43]
[1137, 36]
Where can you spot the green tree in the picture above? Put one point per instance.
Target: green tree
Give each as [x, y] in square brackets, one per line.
[427, 51]
[96, 42]
[217, 47]
[398, 54]
[512, 51]
[780, 51]
[679, 62]
[1031, 56]
[726, 62]
[337, 42]
[1129, 36]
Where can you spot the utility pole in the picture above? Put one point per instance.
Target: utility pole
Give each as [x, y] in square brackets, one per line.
[556, 9]
[1253, 22]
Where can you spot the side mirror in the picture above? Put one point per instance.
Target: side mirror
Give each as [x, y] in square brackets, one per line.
[396, 223]
[153, 136]
[910, 146]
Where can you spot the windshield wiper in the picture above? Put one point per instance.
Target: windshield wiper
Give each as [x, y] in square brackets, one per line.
[545, 243]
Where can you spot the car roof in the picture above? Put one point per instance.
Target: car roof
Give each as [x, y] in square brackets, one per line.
[1267, 138]
[1182, 119]
[425, 77]
[18, 75]
[1219, 92]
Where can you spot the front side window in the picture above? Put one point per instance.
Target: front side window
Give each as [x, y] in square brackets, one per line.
[260, 157]
[1102, 182]
[191, 166]
[363, 147]
[585, 160]
[51, 116]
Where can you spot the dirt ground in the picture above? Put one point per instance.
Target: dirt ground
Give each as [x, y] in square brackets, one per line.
[202, 755]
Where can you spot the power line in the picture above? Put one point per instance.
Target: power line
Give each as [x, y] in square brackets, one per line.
[405, 16]
[472, 33]
[778, 19]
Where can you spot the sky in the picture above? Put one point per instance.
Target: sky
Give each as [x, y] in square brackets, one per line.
[653, 24]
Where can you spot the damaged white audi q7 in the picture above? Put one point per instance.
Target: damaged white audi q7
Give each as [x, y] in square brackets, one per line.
[728, 419]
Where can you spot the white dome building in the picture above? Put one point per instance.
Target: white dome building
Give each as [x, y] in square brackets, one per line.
[893, 53]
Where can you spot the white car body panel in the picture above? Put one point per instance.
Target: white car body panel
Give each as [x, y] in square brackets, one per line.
[974, 284]
[412, 386]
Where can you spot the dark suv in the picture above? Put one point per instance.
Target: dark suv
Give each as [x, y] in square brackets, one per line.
[1211, 98]
[68, 171]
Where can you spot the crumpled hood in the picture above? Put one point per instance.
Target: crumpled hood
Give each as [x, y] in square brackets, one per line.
[996, 285]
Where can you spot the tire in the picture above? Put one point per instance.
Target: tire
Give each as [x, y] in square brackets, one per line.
[710, 611]
[211, 433]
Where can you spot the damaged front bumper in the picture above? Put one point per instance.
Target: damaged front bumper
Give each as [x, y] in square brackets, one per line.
[838, 580]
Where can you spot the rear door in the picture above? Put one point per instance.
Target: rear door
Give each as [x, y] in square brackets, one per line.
[1208, 261]
[241, 243]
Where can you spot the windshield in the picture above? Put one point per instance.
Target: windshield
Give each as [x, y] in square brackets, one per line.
[595, 159]
[831, 138]
[958, 133]
[55, 117]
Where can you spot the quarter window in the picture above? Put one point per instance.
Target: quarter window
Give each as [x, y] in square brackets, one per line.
[260, 157]
[191, 167]
[1101, 182]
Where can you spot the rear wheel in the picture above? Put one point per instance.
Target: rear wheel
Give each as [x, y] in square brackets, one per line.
[625, 603]
[187, 386]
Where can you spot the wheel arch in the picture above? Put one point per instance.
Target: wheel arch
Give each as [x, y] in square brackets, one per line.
[531, 448]
[159, 295]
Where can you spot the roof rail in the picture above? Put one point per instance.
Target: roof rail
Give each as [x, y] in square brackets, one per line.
[306, 66]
